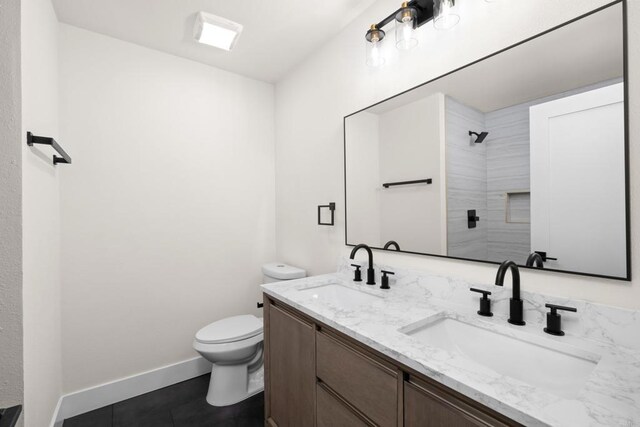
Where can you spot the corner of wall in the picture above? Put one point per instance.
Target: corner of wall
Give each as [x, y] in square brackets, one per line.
[11, 310]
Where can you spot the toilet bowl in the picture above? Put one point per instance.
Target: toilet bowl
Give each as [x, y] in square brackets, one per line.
[234, 346]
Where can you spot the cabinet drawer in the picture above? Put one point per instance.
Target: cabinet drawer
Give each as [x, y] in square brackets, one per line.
[333, 413]
[427, 405]
[365, 383]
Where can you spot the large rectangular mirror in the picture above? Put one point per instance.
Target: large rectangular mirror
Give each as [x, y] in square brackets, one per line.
[522, 152]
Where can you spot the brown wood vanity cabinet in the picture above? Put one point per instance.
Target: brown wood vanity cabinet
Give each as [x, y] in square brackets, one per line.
[315, 376]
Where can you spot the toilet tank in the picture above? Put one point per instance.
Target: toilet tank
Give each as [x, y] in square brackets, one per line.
[279, 271]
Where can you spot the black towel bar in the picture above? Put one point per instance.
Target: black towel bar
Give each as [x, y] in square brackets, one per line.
[45, 140]
[417, 181]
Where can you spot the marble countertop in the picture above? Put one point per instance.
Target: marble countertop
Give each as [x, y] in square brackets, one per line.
[610, 396]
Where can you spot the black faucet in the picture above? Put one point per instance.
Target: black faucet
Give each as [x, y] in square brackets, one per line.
[391, 243]
[371, 275]
[535, 258]
[515, 303]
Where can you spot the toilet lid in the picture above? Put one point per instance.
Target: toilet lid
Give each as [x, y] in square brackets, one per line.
[230, 329]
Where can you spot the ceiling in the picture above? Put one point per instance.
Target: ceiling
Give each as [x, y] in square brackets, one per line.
[277, 34]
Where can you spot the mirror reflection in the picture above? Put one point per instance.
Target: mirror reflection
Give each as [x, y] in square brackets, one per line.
[521, 153]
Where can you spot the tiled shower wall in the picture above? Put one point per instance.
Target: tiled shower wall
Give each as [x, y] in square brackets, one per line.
[479, 176]
[466, 181]
[507, 172]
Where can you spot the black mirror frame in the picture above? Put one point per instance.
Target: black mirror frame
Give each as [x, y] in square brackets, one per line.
[625, 45]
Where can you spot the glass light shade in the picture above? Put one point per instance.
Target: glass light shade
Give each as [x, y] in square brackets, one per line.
[374, 54]
[374, 38]
[445, 14]
[405, 28]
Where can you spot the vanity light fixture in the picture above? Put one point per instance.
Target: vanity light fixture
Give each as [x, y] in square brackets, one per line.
[411, 15]
[215, 31]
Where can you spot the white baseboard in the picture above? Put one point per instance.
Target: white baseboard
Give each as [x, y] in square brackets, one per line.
[86, 400]
[54, 419]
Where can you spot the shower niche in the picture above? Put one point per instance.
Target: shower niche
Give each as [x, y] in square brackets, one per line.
[531, 139]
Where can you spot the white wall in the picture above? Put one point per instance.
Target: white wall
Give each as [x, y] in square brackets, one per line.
[41, 214]
[363, 177]
[404, 143]
[11, 324]
[411, 148]
[313, 98]
[168, 209]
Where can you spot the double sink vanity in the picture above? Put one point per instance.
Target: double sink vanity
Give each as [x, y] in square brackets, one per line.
[341, 352]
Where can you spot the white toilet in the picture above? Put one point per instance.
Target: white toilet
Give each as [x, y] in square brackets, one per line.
[234, 346]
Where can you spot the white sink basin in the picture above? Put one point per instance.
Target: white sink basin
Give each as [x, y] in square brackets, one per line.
[341, 296]
[558, 372]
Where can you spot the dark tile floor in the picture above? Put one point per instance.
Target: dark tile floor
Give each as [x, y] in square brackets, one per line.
[179, 405]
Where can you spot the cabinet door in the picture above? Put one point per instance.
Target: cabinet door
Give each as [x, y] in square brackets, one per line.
[290, 365]
[333, 413]
[426, 405]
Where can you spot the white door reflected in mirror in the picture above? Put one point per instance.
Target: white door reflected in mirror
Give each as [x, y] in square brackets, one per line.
[577, 186]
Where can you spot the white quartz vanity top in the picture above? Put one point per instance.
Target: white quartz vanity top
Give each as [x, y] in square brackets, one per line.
[609, 336]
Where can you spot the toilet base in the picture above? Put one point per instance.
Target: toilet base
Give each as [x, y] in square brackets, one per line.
[231, 384]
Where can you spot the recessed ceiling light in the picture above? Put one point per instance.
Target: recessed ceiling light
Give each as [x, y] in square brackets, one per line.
[216, 31]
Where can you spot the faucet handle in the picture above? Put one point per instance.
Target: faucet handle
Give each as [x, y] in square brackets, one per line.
[555, 307]
[385, 279]
[485, 302]
[357, 274]
[554, 319]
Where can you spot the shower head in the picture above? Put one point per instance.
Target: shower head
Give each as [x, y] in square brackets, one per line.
[479, 136]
